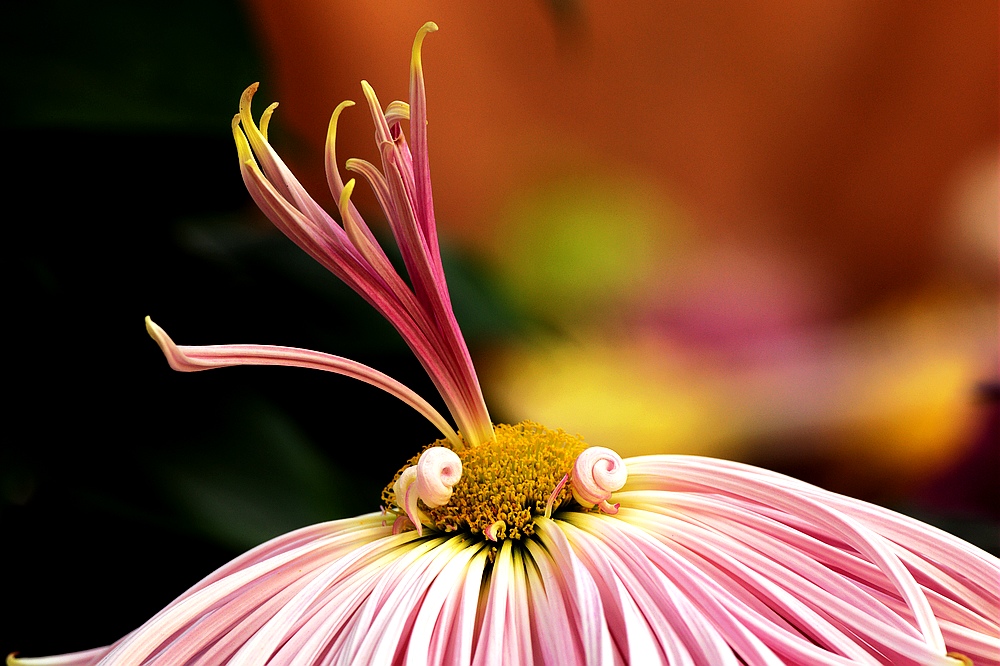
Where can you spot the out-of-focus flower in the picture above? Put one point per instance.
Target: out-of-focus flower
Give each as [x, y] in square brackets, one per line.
[520, 544]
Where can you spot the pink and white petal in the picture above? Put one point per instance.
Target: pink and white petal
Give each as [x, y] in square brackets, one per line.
[494, 634]
[558, 640]
[579, 592]
[680, 627]
[631, 627]
[750, 486]
[356, 644]
[264, 576]
[284, 624]
[315, 638]
[818, 613]
[765, 536]
[432, 627]
[389, 630]
[460, 642]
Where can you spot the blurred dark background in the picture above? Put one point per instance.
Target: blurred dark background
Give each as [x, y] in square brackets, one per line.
[780, 233]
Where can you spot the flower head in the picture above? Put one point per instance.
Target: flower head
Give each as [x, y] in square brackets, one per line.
[520, 544]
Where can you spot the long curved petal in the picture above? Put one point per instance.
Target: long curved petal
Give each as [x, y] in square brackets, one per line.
[194, 359]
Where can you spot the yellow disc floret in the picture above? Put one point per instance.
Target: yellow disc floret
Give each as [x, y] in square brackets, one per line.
[505, 483]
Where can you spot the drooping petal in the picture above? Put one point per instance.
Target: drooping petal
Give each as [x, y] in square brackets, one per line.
[892, 581]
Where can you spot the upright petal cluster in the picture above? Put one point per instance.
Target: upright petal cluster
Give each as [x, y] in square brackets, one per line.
[521, 545]
[422, 313]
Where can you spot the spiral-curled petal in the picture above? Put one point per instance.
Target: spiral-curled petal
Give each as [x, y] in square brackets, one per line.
[597, 473]
[438, 470]
[406, 497]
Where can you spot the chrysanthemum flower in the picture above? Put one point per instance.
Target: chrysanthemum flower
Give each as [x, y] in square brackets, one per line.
[519, 544]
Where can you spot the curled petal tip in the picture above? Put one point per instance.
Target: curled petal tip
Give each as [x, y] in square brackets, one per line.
[597, 473]
[406, 496]
[345, 196]
[400, 524]
[555, 493]
[609, 508]
[174, 356]
[438, 470]
[155, 331]
[496, 530]
[245, 99]
[265, 118]
[418, 41]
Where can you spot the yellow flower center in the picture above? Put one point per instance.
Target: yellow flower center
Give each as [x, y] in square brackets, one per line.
[505, 483]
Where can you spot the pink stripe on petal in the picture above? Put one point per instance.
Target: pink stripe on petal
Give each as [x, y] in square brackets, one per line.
[376, 631]
[817, 612]
[680, 626]
[754, 639]
[321, 633]
[847, 528]
[773, 540]
[642, 634]
[518, 609]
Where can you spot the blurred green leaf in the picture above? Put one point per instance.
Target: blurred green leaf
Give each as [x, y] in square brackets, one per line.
[256, 477]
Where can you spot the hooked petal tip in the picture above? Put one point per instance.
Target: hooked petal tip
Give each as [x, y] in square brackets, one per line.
[335, 116]
[495, 531]
[265, 118]
[174, 356]
[345, 197]
[247, 96]
[425, 29]
[406, 496]
[155, 331]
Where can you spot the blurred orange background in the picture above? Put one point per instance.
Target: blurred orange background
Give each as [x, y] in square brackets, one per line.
[760, 230]
[765, 231]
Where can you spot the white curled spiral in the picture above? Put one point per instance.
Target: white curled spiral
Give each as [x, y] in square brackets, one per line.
[438, 470]
[597, 473]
